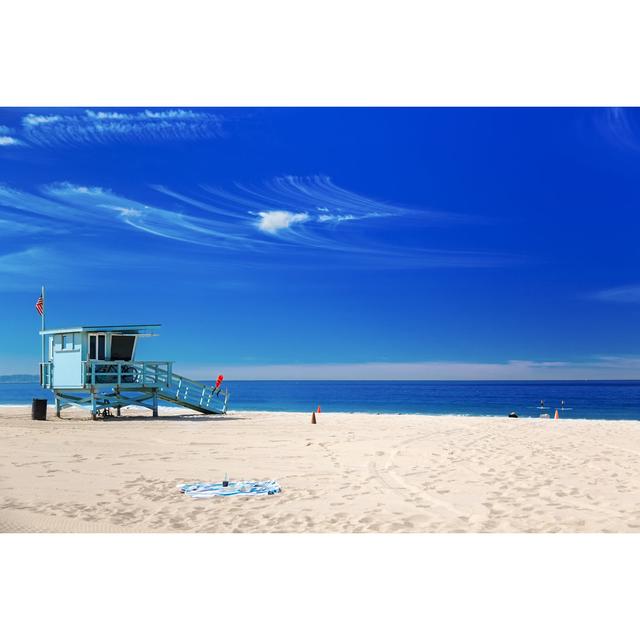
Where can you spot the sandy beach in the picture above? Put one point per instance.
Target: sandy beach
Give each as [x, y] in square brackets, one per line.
[348, 473]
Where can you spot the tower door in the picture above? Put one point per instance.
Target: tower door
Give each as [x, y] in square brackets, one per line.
[97, 344]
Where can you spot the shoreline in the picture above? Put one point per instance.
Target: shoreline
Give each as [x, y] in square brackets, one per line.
[184, 411]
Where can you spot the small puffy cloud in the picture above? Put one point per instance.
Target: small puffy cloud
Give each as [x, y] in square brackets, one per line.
[7, 137]
[274, 221]
[8, 141]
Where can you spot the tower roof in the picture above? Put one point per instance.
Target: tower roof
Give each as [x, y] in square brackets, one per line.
[136, 329]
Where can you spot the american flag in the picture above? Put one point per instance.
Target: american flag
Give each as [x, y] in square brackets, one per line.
[40, 305]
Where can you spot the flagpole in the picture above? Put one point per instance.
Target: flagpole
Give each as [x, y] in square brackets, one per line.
[44, 310]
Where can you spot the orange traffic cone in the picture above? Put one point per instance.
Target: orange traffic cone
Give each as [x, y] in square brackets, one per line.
[313, 418]
[319, 410]
[556, 416]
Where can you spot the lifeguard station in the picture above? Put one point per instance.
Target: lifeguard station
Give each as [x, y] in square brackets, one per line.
[95, 366]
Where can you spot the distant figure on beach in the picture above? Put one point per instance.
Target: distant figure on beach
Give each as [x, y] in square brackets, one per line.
[218, 386]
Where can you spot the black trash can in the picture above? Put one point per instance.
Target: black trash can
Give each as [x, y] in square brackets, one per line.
[39, 409]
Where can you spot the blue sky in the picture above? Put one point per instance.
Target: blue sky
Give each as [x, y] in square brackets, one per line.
[351, 243]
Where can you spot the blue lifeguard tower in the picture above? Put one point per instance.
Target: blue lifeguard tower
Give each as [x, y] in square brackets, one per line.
[95, 366]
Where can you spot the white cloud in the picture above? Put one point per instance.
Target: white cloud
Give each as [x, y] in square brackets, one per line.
[147, 114]
[32, 120]
[243, 219]
[274, 221]
[7, 141]
[105, 127]
[103, 207]
[602, 368]
[325, 217]
[67, 188]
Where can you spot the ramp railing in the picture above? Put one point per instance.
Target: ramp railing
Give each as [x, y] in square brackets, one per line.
[156, 375]
[195, 395]
[125, 373]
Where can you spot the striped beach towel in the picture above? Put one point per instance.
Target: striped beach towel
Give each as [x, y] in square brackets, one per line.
[211, 489]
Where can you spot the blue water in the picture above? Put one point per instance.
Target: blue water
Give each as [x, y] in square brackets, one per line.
[609, 399]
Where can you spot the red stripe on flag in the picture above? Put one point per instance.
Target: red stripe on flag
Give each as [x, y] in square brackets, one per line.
[40, 305]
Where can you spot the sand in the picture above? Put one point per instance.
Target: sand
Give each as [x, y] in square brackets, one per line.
[348, 473]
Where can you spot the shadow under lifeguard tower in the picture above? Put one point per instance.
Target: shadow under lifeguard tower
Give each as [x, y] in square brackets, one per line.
[95, 366]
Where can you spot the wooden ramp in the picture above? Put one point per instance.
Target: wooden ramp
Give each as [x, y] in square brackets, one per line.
[190, 393]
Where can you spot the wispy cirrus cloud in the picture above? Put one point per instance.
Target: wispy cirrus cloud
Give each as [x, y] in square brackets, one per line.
[106, 208]
[31, 208]
[315, 213]
[320, 196]
[13, 225]
[620, 127]
[285, 215]
[628, 293]
[29, 267]
[108, 127]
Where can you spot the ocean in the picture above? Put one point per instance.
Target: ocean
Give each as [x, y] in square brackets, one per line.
[617, 399]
